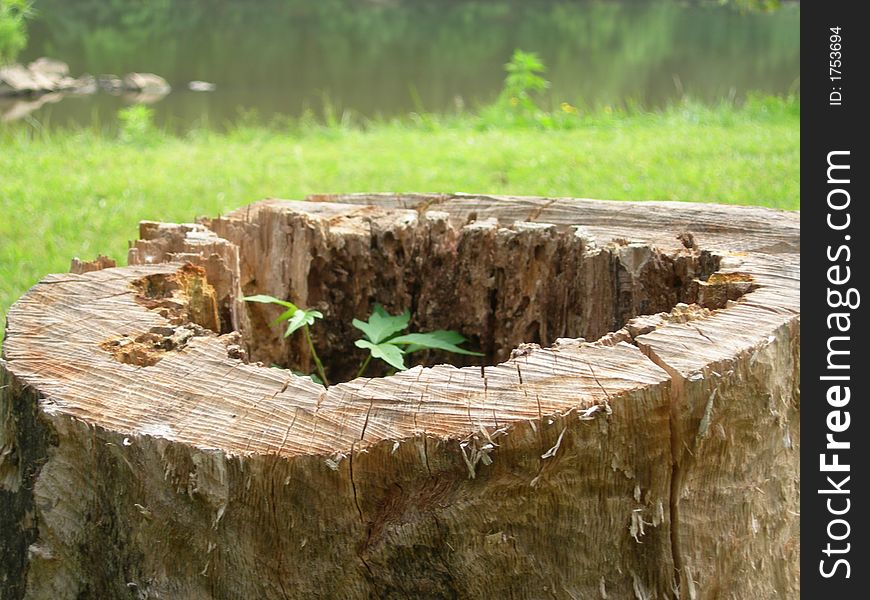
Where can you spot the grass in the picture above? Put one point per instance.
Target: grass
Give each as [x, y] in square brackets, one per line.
[80, 193]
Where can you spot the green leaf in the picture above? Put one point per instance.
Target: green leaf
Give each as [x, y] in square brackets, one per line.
[387, 352]
[295, 322]
[265, 299]
[380, 310]
[451, 337]
[381, 325]
[439, 340]
[284, 316]
[301, 318]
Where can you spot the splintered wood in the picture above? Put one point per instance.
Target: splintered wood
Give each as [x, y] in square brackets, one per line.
[632, 432]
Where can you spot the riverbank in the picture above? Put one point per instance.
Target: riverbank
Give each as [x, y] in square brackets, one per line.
[80, 193]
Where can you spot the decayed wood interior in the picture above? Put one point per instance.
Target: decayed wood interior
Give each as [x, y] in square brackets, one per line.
[659, 458]
[500, 285]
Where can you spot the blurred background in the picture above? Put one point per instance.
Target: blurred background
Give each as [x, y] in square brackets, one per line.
[387, 58]
[685, 100]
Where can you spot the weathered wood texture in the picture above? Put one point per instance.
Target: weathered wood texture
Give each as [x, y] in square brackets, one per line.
[144, 454]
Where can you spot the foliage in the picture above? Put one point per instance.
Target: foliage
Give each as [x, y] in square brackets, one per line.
[523, 84]
[136, 125]
[381, 339]
[297, 318]
[13, 32]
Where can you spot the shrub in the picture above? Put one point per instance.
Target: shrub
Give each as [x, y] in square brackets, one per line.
[136, 125]
[13, 30]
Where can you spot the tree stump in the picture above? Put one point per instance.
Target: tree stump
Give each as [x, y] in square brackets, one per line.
[632, 432]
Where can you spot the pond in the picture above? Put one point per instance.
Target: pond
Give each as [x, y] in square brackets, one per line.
[381, 58]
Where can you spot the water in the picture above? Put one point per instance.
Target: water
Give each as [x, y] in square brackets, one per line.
[380, 58]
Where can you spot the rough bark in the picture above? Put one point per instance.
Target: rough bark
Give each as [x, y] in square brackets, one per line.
[142, 454]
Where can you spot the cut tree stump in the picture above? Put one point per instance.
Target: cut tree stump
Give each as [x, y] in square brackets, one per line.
[632, 432]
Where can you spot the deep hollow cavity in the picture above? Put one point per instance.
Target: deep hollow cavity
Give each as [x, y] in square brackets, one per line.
[500, 286]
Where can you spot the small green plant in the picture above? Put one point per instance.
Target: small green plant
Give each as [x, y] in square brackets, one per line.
[296, 318]
[523, 82]
[518, 101]
[381, 336]
[137, 124]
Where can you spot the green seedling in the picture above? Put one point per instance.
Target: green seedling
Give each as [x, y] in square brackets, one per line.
[296, 318]
[382, 336]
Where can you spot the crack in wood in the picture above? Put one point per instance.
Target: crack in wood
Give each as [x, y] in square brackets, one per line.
[676, 482]
[533, 216]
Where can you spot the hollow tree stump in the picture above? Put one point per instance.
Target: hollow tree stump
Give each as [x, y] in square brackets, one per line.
[147, 450]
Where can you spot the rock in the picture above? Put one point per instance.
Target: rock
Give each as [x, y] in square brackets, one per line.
[86, 84]
[45, 75]
[146, 82]
[48, 80]
[17, 79]
[110, 83]
[50, 67]
[201, 86]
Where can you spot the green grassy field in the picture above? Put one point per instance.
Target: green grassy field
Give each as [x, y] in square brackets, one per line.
[80, 193]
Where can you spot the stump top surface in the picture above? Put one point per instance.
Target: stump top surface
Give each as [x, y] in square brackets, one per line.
[64, 338]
